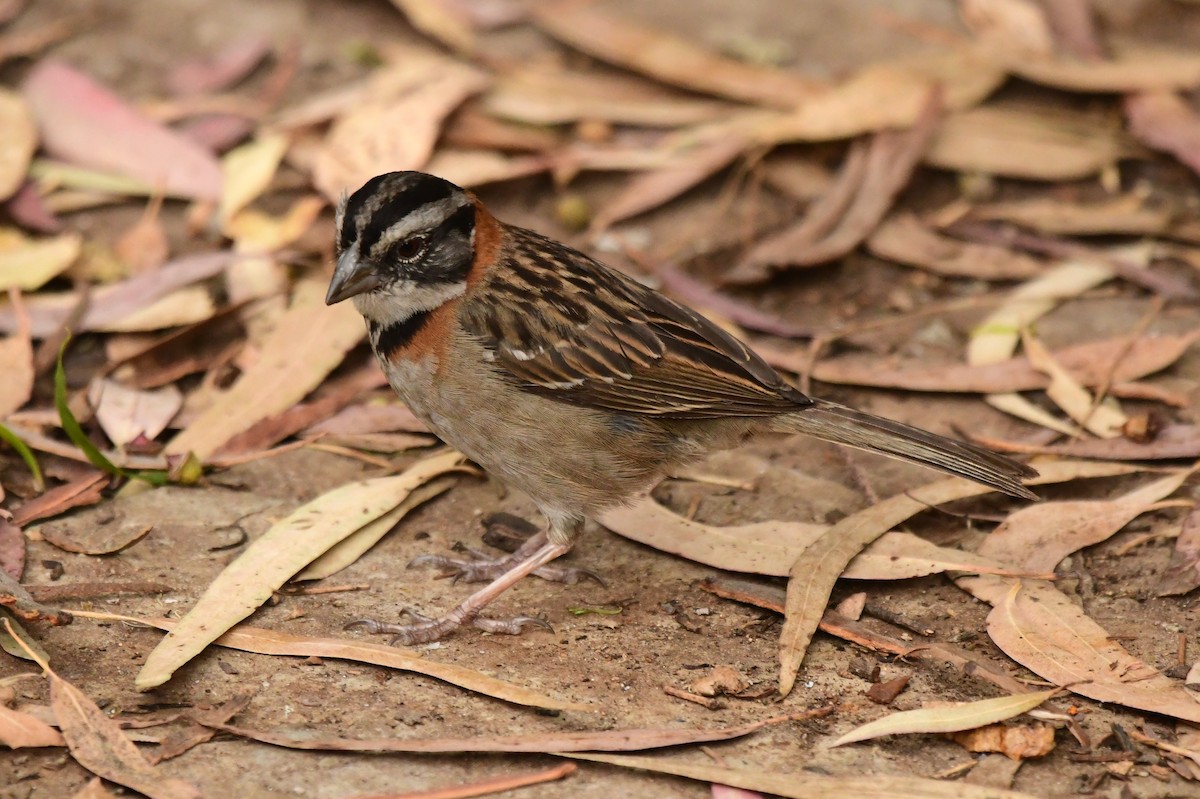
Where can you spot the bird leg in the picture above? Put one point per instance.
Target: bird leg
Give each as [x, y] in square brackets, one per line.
[481, 568]
[426, 629]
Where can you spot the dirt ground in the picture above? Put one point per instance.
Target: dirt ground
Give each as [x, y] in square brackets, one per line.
[670, 630]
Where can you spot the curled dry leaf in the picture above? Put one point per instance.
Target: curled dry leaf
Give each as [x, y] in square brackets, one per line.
[543, 95]
[1041, 628]
[1036, 538]
[395, 128]
[855, 205]
[948, 718]
[285, 549]
[86, 124]
[18, 144]
[85, 490]
[668, 58]
[277, 380]
[220, 70]
[29, 264]
[1166, 121]
[96, 540]
[903, 238]
[1019, 742]
[806, 785]
[1015, 142]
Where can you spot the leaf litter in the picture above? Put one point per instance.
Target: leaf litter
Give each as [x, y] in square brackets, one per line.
[222, 384]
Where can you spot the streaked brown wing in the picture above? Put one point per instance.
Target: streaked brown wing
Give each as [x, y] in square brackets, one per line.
[565, 326]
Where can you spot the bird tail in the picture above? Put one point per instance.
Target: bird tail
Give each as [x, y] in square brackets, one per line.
[829, 421]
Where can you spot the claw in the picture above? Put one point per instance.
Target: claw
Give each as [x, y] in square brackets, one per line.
[514, 626]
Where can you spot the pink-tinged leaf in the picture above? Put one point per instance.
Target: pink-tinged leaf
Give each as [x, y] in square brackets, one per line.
[1166, 121]
[27, 209]
[126, 414]
[221, 70]
[83, 122]
[21, 730]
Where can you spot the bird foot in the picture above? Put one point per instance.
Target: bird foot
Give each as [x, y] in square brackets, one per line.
[426, 629]
[480, 568]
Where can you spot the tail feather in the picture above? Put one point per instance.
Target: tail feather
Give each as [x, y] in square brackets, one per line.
[829, 421]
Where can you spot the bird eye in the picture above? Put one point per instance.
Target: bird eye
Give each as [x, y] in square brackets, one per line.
[410, 248]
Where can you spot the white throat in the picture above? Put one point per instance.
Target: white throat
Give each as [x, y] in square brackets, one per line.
[405, 299]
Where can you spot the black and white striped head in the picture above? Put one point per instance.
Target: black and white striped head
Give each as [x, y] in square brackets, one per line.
[405, 243]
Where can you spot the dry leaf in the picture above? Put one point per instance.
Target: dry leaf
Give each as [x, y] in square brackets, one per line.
[12, 549]
[1036, 538]
[29, 264]
[220, 70]
[1044, 630]
[396, 129]
[1008, 25]
[144, 245]
[1016, 743]
[127, 414]
[667, 58]
[806, 785]
[1183, 572]
[16, 362]
[1104, 419]
[440, 21]
[544, 95]
[891, 94]
[248, 171]
[96, 540]
[469, 168]
[278, 380]
[289, 546]
[84, 123]
[1131, 68]
[1127, 214]
[903, 238]
[20, 730]
[817, 568]
[18, 144]
[1165, 121]
[1010, 141]
[948, 718]
[84, 490]
[256, 232]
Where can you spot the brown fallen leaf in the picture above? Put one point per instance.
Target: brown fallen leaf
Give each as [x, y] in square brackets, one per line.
[20, 730]
[1123, 214]
[1174, 442]
[884, 693]
[469, 168]
[177, 742]
[84, 490]
[1019, 742]
[98, 744]
[470, 128]
[99, 540]
[854, 207]
[220, 70]
[818, 566]
[719, 680]
[19, 143]
[667, 58]
[274, 557]
[948, 718]
[807, 785]
[12, 549]
[396, 129]
[1008, 25]
[888, 95]
[84, 123]
[1075, 30]
[1165, 121]
[903, 238]
[16, 361]
[441, 21]
[370, 418]
[1012, 141]
[631, 740]
[1100, 417]
[543, 94]
[1088, 363]
[698, 294]
[144, 246]
[195, 348]
[127, 414]
[110, 305]
[1132, 67]
[94, 789]
[485, 787]
[1183, 572]
[276, 381]
[1044, 630]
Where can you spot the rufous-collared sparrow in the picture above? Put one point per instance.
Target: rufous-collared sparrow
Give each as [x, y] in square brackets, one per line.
[564, 378]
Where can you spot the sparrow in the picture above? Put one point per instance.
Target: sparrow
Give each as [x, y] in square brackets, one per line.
[565, 378]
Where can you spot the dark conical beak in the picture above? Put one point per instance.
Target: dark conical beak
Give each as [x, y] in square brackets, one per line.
[350, 278]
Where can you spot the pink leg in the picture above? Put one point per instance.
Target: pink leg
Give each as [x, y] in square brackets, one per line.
[468, 611]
